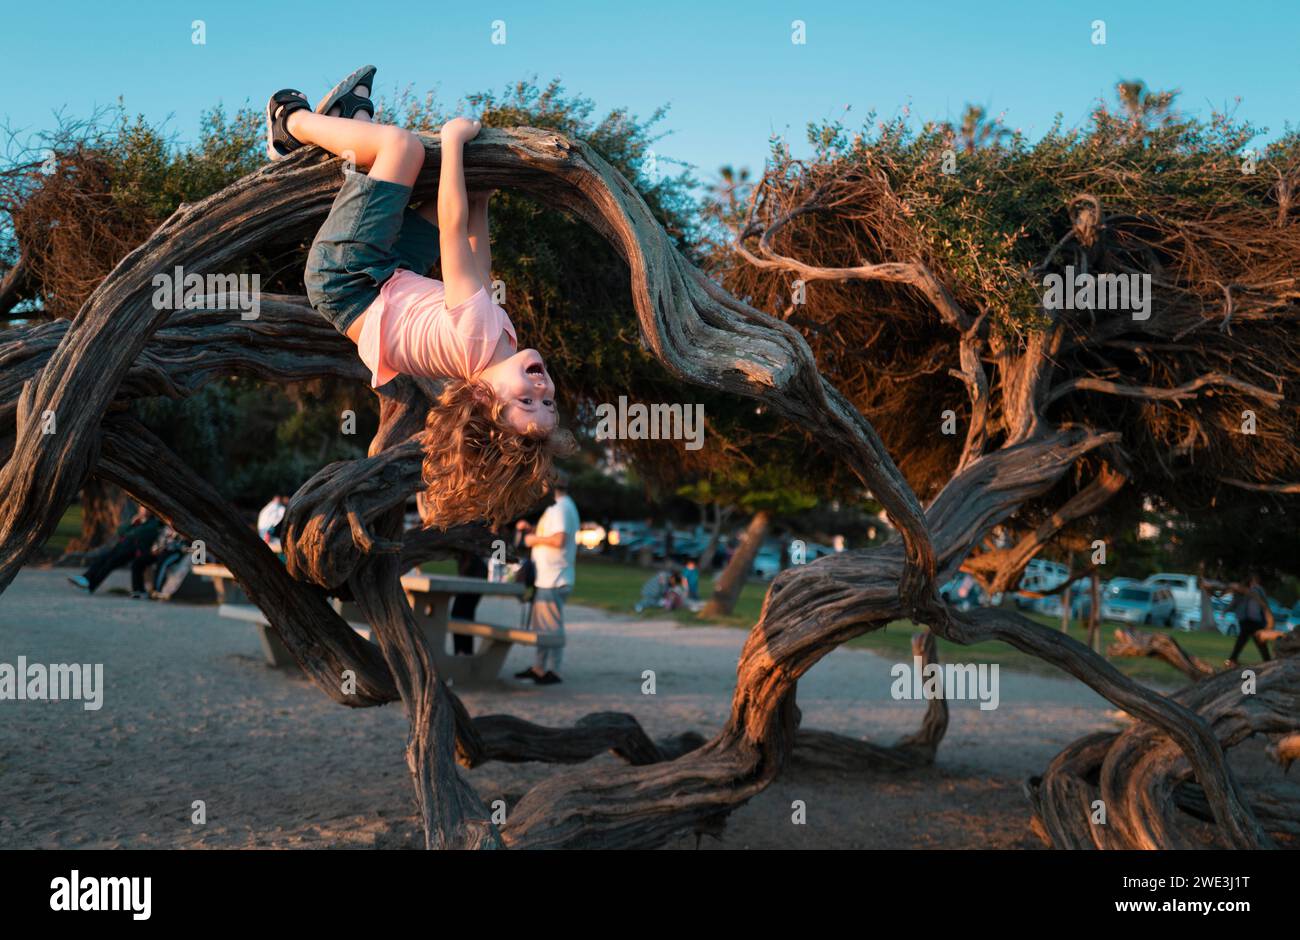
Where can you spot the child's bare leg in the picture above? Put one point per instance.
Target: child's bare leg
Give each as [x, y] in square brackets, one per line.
[461, 274]
[388, 152]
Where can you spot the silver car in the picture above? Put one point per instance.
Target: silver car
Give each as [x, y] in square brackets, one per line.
[1139, 603]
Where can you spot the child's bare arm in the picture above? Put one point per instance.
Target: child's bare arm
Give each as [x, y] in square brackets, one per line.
[479, 239]
[461, 276]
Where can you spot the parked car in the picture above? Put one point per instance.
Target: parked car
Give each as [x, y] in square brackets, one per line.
[1185, 589]
[767, 563]
[1281, 615]
[1112, 586]
[1139, 603]
[688, 545]
[1224, 619]
[1080, 602]
[1039, 575]
[621, 533]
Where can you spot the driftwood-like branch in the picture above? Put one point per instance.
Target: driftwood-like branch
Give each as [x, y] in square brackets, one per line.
[1189, 734]
[514, 740]
[1138, 774]
[999, 569]
[827, 750]
[1263, 487]
[1138, 643]
[1178, 393]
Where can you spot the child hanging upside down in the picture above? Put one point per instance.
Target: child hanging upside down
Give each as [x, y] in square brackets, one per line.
[490, 440]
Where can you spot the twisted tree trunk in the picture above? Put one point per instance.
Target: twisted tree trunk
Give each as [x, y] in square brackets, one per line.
[62, 383]
[727, 587]
[101, 514]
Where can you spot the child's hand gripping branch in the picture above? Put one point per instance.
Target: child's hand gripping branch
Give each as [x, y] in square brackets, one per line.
[490, 440]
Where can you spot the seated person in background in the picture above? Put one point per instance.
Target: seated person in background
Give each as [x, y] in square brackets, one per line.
[675, 596]
[136, 538]
[652, 592]
[172, 561]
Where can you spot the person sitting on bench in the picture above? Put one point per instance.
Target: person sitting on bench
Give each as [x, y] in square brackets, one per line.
[135, 539]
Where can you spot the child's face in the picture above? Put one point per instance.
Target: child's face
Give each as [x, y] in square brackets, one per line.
[523, 383]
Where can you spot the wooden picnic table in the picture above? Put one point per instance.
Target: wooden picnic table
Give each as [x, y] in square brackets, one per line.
[430, 597]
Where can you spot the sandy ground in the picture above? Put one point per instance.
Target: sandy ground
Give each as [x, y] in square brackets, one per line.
[191, 713]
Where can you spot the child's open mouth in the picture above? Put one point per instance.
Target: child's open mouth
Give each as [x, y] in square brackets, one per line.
[535, 369]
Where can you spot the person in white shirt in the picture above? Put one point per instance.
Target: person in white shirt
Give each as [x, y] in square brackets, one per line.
[554, 544]
[269, 517]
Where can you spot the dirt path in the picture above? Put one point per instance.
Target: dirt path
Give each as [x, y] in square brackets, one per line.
[191, 713]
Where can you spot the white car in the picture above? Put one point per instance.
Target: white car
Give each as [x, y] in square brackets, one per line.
[1224, 619]
[1040, 575]
[1185, 589]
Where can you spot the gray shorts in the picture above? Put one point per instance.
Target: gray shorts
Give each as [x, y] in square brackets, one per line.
[548, 617]
[371, 231]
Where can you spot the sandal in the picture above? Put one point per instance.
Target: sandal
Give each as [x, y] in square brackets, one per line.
[344, 97]
[279, 142]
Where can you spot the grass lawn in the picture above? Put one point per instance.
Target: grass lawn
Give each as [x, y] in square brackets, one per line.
[69, 527]
[617, 587]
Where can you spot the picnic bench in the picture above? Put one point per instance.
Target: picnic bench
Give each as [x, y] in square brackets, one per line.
[430, 597]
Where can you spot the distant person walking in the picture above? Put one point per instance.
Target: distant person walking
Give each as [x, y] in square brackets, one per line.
[135, 539]
[554, 547]
[1253, 615]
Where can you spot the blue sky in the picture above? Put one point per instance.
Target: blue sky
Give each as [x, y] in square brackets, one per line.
[729, 71]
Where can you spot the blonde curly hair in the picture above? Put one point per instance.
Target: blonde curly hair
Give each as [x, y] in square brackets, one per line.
[476, 466]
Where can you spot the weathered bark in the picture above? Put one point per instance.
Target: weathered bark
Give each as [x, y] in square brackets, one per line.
[727, 587]
[1138, 773]
[514, 740]
[1065, 798]
[329, 651]
[826, 750]
[1160, 646]
[15, 287]
[101, 514]
[1067, 600]
[1285, 750]
[999, 570]
[1094, 612]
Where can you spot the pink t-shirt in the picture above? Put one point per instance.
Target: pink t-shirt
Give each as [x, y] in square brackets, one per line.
[409, 329]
